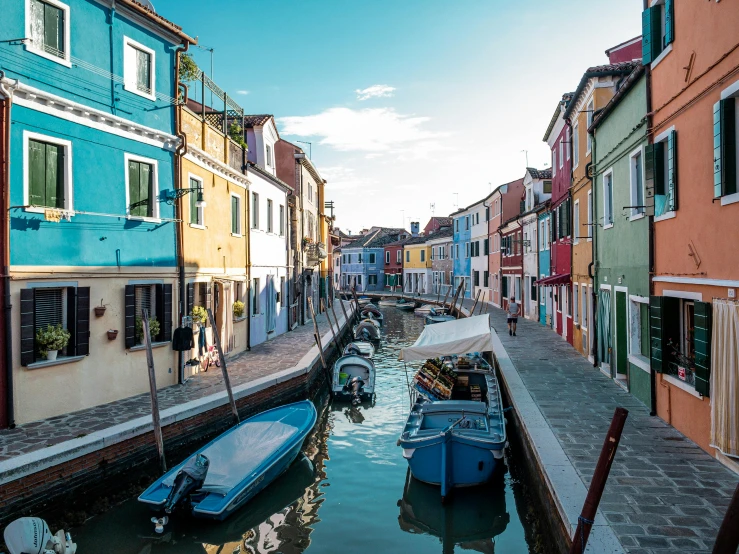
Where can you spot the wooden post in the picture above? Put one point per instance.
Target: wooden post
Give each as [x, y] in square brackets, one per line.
[602, 469]
[443, 305]
[226, 380]
[482, 304]
[461, 297]
[477, 297]
[153, 391]
[356, 302]
[338, 327]
[336, 339]
[343, 309]
[727, 540]
[317, 336]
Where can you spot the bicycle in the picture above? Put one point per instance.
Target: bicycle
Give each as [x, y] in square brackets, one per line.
[210, 357]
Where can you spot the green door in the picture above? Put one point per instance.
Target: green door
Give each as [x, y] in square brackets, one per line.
[622, 325]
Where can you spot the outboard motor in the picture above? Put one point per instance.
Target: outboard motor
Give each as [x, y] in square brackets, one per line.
[355, 387]
[31, 535]
[352, 349]
[189, 479]
[364, 333]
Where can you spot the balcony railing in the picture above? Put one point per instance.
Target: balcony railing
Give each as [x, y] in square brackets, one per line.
[315, 253]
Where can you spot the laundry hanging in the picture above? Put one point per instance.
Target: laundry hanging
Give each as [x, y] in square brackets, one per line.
[724, 387]
[183, 339]
[202, 343]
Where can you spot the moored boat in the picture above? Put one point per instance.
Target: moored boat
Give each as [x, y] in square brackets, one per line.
[387, 302]
[364, 300]
[438, 315]
[405, 305]
[353, 378]
[360, 348]
[423, 310]
[374, 316]
[230, 470]
[367, 330]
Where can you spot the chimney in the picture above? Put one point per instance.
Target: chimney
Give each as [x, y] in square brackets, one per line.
[415, 227]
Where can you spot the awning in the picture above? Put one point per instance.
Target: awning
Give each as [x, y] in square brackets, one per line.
[460, 336]
[561, 279]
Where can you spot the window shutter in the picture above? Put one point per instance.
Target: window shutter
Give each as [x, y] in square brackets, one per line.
[646, 34]
[522, 206]
[664, 327]
[164, 312]
[82, 320]
[669, 21]
[146, 192]
[724, 147]
[659, 168]
[702, 319]
[28, 348]
[54, 193]
[134, 195]
[190, 298]
[504, 286]
[672, 171]
[649, 179]
[208, 296]
[36, 173]
[53, 29]
[130, 316]
[487, 246]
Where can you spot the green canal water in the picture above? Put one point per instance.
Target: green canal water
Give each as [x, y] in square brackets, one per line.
[350, 491]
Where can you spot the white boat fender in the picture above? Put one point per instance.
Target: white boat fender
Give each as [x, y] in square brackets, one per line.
[31, 535]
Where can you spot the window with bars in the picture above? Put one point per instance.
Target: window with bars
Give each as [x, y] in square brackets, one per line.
[46, 174]
[196, 212]
[48, 24]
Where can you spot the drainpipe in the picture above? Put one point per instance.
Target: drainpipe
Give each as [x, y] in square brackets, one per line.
[7, 92]
[179, 152]
[248, 265]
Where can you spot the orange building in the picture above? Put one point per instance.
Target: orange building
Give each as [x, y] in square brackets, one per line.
[691, 173]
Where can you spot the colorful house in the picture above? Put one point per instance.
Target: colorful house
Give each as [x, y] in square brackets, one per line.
[691, 167]
[511, 247]
[622, 249]
[504, 203]
[417, 276]
[92, 136]
[440, 242]
[362, 264]
[537, 192]
[597, 86]
[461, 254]
[544, 294]
[393, 256]
[479, 247]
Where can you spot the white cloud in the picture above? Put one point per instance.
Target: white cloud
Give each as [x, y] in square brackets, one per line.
[242, 92]
[370, 130]
[375, 91]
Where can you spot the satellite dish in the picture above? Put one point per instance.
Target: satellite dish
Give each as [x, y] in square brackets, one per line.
[148, 4]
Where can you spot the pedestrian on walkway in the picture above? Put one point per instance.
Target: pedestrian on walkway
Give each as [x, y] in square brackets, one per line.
[513, 310]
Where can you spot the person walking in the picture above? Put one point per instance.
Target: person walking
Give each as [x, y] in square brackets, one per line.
[513, 310]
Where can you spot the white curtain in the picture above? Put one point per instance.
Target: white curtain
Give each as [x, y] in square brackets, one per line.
[725, 378]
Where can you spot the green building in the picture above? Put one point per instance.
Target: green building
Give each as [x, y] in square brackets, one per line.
[621, 237]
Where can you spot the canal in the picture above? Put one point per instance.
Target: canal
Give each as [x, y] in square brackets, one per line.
[350, 491]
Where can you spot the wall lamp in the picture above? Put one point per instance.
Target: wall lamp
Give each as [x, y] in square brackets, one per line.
[173, 195]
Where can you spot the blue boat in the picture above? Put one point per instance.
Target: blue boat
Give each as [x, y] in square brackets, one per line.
[229, 471]
[438, 315]
[455, 435]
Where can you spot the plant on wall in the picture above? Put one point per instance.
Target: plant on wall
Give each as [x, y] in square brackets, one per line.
[236, 132]
[199, 315]
[51, 339]
[154, 328]
[189, 70]
[238, 308]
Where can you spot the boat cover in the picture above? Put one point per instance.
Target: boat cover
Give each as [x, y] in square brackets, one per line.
[238, 453]
[460, 336]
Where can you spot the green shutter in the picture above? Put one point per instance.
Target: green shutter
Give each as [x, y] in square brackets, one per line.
[649, 180]
[672, 171]
[134, 194]
[724, 148]
[669, 21]
[194, 188]
[234, 215]
[656, 40]
[36, 173]
[147, 193]
[702, 338]
[646, 36]
[54, 196]
[718, 182]
[664, 327]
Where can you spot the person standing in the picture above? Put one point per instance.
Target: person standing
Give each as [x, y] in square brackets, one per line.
[513, 310]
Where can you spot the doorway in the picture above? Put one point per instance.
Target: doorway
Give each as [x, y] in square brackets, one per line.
[621, 359]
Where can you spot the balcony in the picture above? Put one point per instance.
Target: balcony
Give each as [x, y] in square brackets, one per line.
[315, 253]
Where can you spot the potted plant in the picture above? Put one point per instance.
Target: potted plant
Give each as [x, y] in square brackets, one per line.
[112, 334]
[238, 309]
[100, 310]
[51, 340]
[307, 242]
[199, 315]
[154, 328]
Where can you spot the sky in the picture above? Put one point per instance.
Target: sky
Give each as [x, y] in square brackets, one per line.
[412, 107]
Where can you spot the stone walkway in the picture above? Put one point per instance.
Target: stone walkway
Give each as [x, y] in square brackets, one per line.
[282, 352]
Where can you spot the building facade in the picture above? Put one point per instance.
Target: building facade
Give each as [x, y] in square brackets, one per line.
[417, 277]
[537, 193]
[442, 266]
[511, 246]
[393, 257]
[505, 203]
[461, 255]
[479, 247]
[363, 260]
[544, 294]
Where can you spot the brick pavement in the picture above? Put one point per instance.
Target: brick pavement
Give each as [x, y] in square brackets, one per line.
[282, 352]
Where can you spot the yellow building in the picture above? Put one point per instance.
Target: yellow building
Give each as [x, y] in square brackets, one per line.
[213, 228]
[417, 266]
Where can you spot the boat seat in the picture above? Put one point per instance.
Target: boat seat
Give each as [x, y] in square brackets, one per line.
[468, 406]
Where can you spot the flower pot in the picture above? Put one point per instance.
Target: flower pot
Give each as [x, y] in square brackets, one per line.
[99, 311]
[51, 355]
[112, 334]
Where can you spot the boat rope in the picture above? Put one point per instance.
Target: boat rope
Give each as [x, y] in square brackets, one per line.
[584, 521]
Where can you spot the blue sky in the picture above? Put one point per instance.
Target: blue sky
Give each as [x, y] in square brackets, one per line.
[453, 91]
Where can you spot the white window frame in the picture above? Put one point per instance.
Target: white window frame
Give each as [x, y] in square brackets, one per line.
[576, 302]
[254, 214]
[561, 152]
[567, 142]
[30, 47]
[387, 256]
[590, 216]
[635, 213]
[589, 108]
[575, 145]
[399, 256]
[240, 224]
[634, 352]
[200, 209]
[155, 193]
[608, 173]
[554, 162]
[576, 222]
[584, 315]
[129, 65]
[68, 175]
[268, 156]
[732, 91]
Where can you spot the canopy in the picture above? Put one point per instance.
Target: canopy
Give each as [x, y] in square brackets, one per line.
[460, 336]
[561, 279]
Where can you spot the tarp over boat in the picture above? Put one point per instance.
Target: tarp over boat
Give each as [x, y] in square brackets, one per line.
[460, 336]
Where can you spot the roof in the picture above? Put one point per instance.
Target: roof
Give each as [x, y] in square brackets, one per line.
[442, 221]
[446, 232]
[625, 87]
[416, 240]
[539, 173]
[621, 68]
[566, 97]
[256, 120]
[165, 24]
[622, 44]
[376, 239]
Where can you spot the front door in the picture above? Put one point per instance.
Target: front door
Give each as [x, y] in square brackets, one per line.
[622, 358]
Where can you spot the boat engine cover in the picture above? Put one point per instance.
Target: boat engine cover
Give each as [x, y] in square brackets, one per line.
[189, 479]
[355, 386]
[28, 535]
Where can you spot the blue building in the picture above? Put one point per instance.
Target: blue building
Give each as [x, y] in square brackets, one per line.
[544, 248]
[461, 253]
[363, 261]
[92, 224]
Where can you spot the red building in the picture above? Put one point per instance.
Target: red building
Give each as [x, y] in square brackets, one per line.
[626, 51]
[511, 261]
[436, 223]
[394, 265]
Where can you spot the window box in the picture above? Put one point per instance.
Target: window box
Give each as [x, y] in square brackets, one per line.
[140, 347]
[59, 361]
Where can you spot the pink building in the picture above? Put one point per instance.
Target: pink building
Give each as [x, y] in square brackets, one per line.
[504, 203]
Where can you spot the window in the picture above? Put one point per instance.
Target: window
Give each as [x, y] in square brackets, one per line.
[658, 30]
[576, 309]
[639, 331]
[476, 278]
[554, 161]
[359, 279]
[254, 210]
[423, 255]
[269, 215]
[48, 171]
[338, 259]
[725, 148]
[47, 25]
[236, 214]
[269, 156]
[359, 258]
[282, 220]
[456, 225]
[283, 291]
[372, 257]
[407, 256]
[575, 145]
[590, 215]
[138, 69]
[372, 279]
[607, 199]
[142, 190]
[561, 153]
[547, 187]
[576, 220]
[584, 306]
[486, 247]
[387, 256]
[196, 212]
[589, 115]
[466, 249]
[467, 223]
[636, 170]
[567, 142]
[398, 256]
[661, 172]
[255, 293]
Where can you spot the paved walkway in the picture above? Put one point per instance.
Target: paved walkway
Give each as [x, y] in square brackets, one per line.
[664, 493]
[282, 352]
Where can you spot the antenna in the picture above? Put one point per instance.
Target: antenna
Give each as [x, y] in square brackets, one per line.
[433, 208]
[456, 201]
[310, 148]
[527, 157]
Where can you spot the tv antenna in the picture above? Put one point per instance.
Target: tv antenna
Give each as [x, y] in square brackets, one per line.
[456, 199]
[433, 208]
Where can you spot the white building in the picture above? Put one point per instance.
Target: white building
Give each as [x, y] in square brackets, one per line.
[479, 247]
[538, 190]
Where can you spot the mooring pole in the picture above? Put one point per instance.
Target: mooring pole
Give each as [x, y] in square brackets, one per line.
[727, 540]
[336, 319]
[343, 309]
[443, 305]
[336, 339]
[602, 469]
[226, 380]
[356, 301]
[317, 336]
[153, 391]
[461, 298]
[477, 297]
